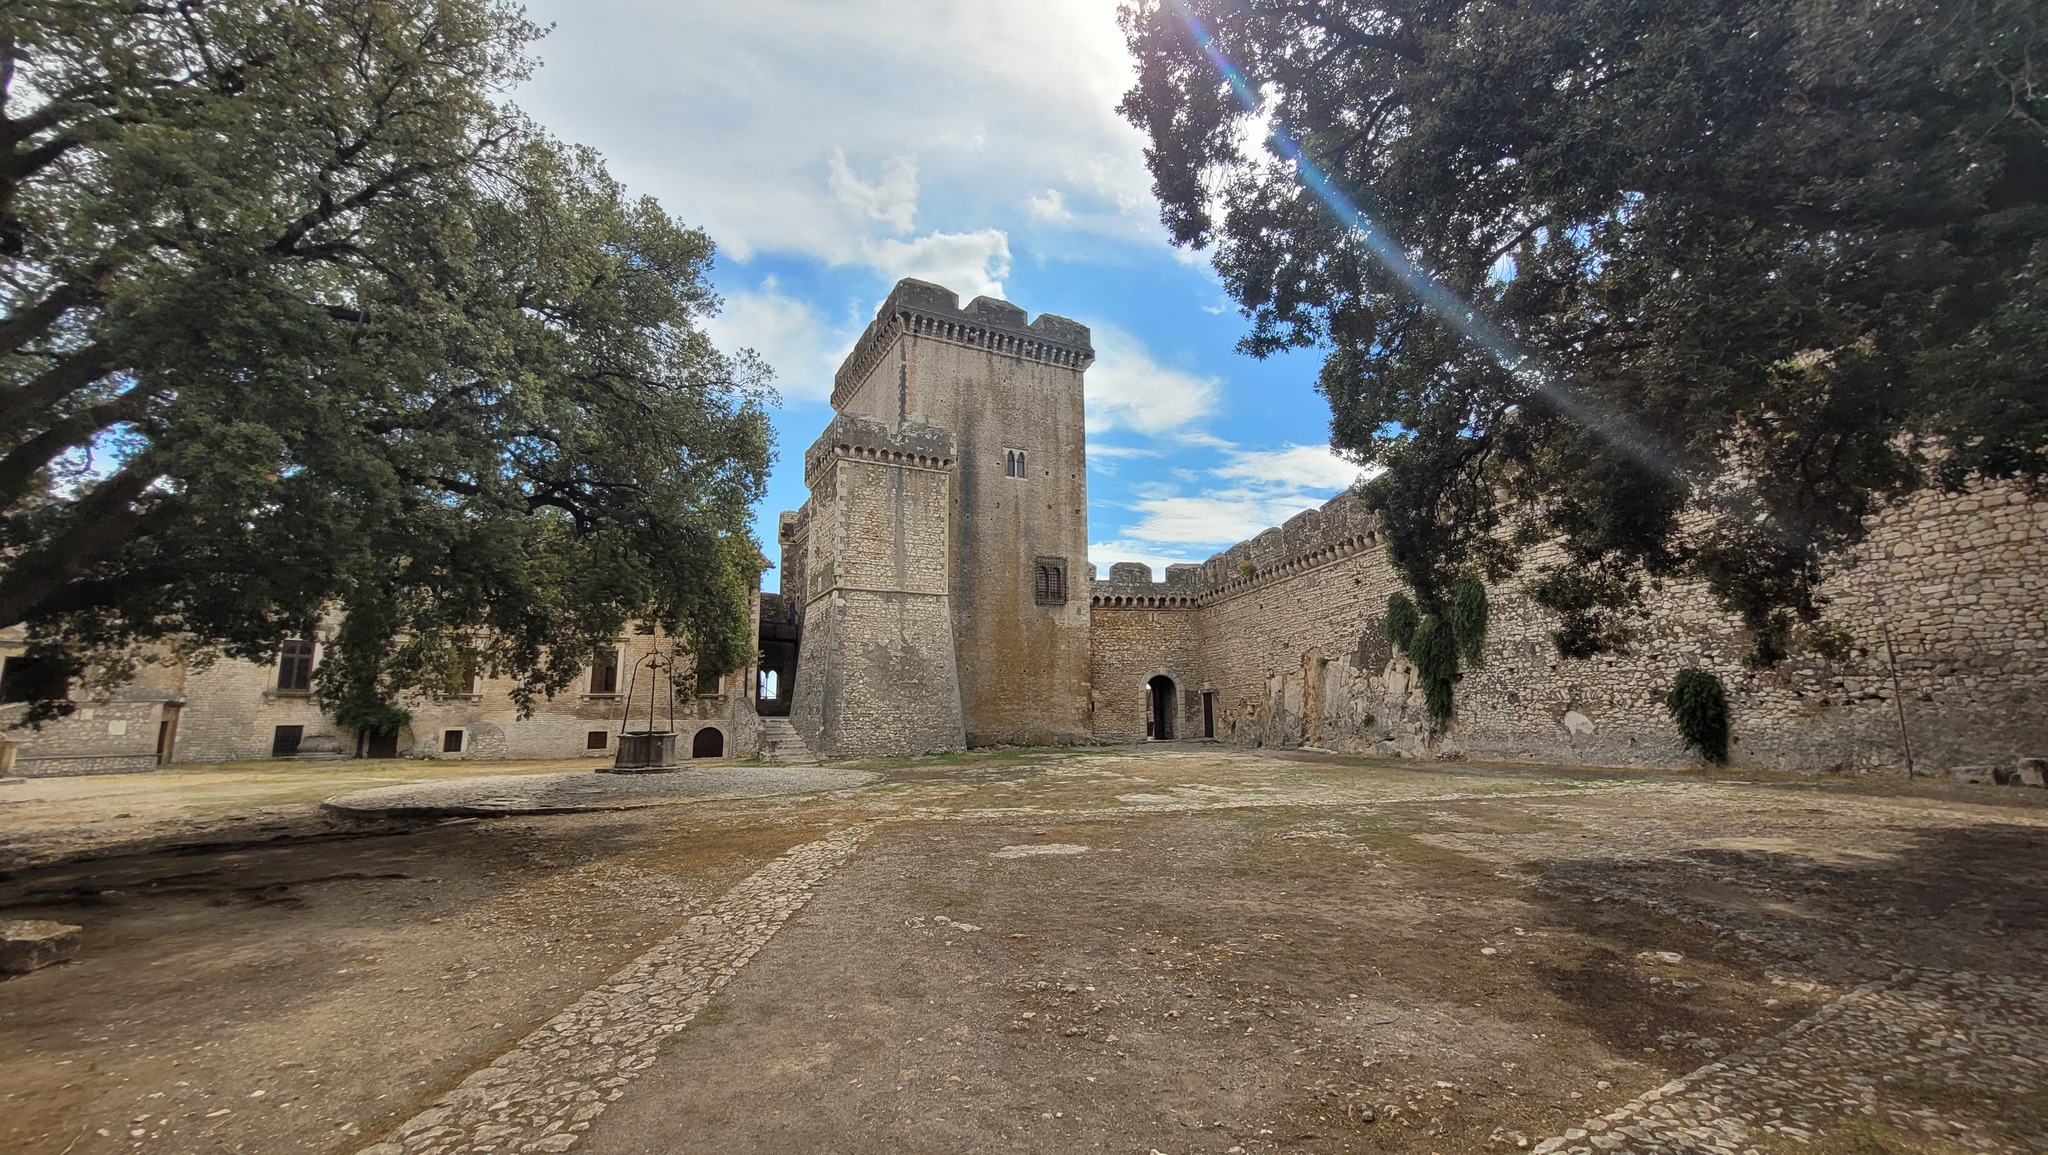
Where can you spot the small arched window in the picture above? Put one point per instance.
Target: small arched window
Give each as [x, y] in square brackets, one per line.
[1013, 463]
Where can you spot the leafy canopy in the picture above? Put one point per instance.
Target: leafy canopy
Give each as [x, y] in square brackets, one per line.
[299, 316]
[1793, 253]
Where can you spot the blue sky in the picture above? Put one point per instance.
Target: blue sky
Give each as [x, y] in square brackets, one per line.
[833, 146]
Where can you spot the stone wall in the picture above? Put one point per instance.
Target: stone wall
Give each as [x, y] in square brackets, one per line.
[1140, 631]
[877, 673]
[1286, 631]
[999, 383]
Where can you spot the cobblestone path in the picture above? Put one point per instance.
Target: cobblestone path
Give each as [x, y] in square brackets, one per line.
[1868, 1055]
[543, 1093]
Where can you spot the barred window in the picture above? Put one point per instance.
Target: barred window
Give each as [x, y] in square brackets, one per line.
[1049, 581]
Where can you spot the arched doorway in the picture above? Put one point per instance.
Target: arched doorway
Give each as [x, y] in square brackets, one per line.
[707, 743]
[1159, 726]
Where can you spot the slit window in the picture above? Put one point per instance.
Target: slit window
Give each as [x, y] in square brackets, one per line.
[1049, 581]
[295, 666]
[1013, 463]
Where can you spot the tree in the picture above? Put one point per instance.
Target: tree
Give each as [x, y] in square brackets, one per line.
[301, 317]
[1740, 272]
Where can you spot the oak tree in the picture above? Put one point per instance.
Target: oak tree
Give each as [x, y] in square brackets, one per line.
[1740, 271]
[300, 317]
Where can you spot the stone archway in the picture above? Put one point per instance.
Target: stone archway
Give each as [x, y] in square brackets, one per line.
[1164, 701]
[708, 742]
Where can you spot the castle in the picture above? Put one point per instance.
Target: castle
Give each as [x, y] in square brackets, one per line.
[935, 594]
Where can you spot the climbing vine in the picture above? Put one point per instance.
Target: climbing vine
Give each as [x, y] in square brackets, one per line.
[1437, 642]
[1402, 619]
[1468, 619]
[1699, 706]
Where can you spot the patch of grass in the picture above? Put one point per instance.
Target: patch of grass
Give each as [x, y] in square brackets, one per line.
[713, 1014]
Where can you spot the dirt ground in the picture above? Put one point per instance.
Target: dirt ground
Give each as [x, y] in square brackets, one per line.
[1169, 949]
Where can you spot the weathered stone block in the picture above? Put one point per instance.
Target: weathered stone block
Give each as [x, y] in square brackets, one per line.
[34, 943]
[1975, 775]
[2031, 772]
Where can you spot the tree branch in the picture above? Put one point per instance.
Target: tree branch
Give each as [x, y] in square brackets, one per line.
[101, 523]
[19, 467]
[71, 373]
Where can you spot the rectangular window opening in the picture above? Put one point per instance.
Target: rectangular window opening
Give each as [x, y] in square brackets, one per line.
[295, 666]
[1049, 581]
[451, 741]
[597, 740]
[604, 672]
[284, 741]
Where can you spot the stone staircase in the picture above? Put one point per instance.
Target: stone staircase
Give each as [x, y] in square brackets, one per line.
[781, 743]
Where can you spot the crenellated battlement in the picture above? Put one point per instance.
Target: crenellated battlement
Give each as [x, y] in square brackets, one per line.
[932, 312]
[1314, 537]
[909, 445]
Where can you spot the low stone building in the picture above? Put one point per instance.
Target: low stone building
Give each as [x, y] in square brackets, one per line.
[231, 710]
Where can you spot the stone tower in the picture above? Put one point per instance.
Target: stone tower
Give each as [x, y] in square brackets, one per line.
[943, 552]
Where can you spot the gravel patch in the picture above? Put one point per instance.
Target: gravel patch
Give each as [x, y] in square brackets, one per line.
[585, 791]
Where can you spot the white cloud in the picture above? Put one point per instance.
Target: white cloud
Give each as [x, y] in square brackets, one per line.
[1128, 389]
[891, 200]
[1297, 466]
[1210, 511]
[1099, 450]
[788, 333]
[731, 114]
[971, 264]
[1048, 206]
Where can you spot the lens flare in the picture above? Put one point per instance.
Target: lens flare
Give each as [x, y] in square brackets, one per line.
[1460, 314]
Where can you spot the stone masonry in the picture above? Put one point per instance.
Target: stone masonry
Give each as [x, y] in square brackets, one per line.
[1004, 393]
[1949, 594]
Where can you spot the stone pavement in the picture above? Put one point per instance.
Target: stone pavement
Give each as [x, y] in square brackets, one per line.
[1970, 1035]
[586, 790]
[543, 1093]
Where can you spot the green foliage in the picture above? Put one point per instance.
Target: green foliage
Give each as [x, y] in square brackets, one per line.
[1434, 650]
[1759, 252]
[380, 718]
[1467, 617]
[301, 319]
[1402, 618]
[1699, 706]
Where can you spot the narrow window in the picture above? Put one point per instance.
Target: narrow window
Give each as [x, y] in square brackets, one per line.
[597, 739]
[295, 667]
[1049, 581]
[770, 685]
[1013, 463]
[604, 672]
[284, 741]
[469, 683]
[451, 741]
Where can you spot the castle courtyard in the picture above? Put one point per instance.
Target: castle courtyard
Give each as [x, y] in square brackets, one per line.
[1174, 947]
